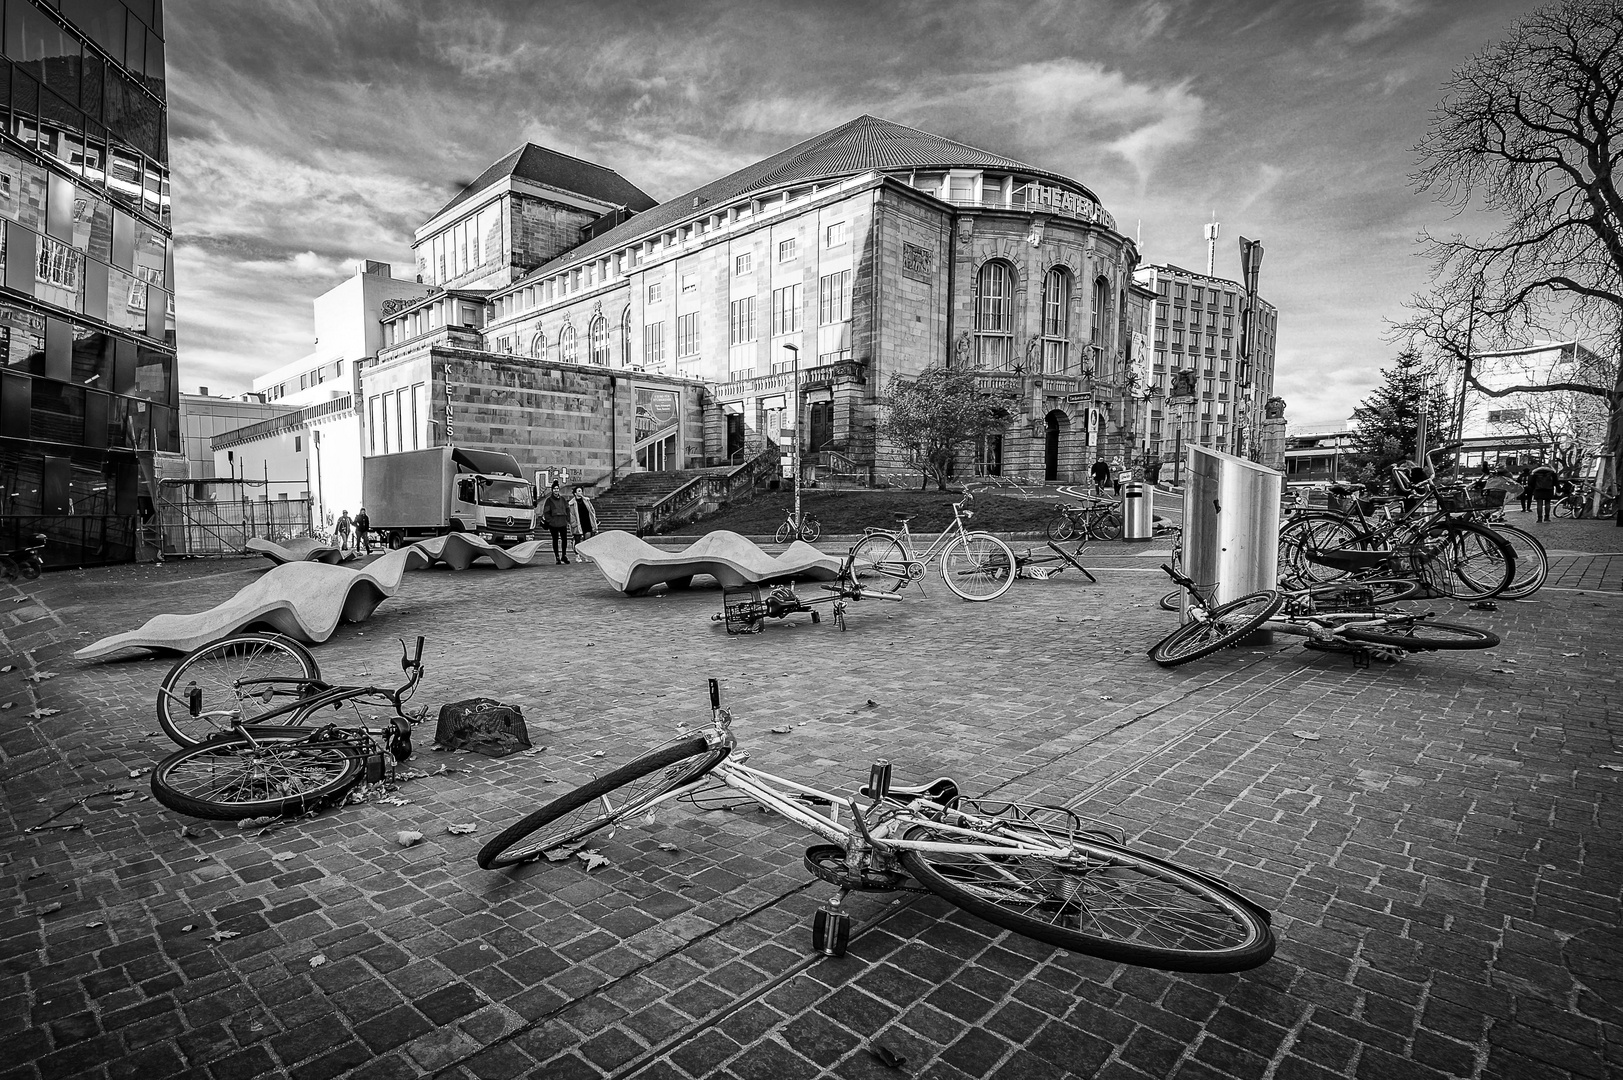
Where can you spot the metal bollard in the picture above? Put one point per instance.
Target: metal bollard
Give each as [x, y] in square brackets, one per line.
[1138, 511]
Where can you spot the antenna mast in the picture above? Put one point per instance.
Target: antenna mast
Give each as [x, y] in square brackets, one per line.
[1211, 245]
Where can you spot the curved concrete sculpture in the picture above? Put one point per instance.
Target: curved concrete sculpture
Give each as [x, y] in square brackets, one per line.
[300, 549]
[459, 550]
[633, 566]
[304, 600]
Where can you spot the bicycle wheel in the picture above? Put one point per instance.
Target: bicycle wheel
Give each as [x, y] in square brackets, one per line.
[235, 777]
[1300, 537]
[215, 672]
[1532, 561]
[1060, 527]
[1106, 526]
[1172, 601]
[811, 530]
[978, 566]
[784, 533]
[1425, 636]
[879, 557]
[1568, 508]
[1100, 899]
[1363, 592]
[1219, 628]
[579, 813]
[1463, 560]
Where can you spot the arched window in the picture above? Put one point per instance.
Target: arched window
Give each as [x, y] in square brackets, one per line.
[994, 316]
[566, 345]
[1056, 320]
[538, 346]
[599, 337]
[625, 337]
[1101, 309]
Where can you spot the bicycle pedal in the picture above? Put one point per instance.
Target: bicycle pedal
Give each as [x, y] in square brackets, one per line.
[831, 931]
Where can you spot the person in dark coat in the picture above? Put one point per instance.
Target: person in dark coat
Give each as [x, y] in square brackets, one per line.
[1543, 481]
[1525, 479]
[363, 538]
[1101, 475]
[555, 516]
[582, 517]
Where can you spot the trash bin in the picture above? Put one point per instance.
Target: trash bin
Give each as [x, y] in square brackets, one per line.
[1138, 511]
[1230, 524]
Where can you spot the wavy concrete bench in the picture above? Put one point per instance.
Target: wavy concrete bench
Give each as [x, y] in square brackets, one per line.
[459, 550]
[633, 566]
[304, 600]
[300, 549]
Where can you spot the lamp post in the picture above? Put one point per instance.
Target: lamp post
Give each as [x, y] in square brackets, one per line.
[794, 445]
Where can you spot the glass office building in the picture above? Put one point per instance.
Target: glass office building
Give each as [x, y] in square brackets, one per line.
[88, 394]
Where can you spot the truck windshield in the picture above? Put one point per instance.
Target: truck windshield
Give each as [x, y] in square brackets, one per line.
[508, 493]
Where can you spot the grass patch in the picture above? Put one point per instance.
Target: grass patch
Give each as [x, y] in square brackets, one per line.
[853, 510]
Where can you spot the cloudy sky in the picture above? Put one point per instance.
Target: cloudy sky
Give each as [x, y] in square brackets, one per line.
[306, 135]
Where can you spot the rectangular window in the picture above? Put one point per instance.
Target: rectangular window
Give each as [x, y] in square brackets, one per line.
[1180, 291]
[1195, 294]
[656, 292]
[690, 283]
[416, 416]
[834, 298]
[786, 249]
[1161, 312]
[741, 321]
[1177, 339]
[298, 444]
[961, 189]
[653, 345]
[687, 335]
[786, 310]
[834, 236]
[741, 264]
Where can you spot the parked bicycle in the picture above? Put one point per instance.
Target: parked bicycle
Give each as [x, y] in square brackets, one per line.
[975, 565]
[291, 757]
[1580, 501]
[1039, 871]
[807, 528]
[25, 560]
[745, 608]
[1094, 519]
[1350, 617]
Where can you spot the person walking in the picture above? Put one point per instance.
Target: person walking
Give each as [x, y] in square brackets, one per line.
[341, 531]
[1101, 475]
[555, 516]
[1525, 479]
[363, 538]
[1543, 481]
[582, 517]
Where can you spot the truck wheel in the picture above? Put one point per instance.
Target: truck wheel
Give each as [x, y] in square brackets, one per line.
[456, 526]
[396, 541]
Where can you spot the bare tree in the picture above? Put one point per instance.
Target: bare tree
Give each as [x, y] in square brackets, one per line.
[1530, 130]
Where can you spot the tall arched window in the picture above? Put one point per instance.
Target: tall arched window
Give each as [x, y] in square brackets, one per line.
[538, 346]
[599, 337]
[625, 337]
[1056, 320]
[1101, 309]
[566, 345]
[994, 316]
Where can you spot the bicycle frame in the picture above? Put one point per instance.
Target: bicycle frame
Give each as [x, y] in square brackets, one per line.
[904, 535]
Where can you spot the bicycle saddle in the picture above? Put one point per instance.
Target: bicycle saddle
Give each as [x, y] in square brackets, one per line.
[904, 520]
[1345, 489]
[943, 791]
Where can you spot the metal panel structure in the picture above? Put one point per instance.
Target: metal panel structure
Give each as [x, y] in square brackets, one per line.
[1230, 524]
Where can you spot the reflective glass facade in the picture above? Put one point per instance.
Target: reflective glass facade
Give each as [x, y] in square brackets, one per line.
[87, 311]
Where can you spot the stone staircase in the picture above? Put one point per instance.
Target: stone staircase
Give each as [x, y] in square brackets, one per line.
[617, 507]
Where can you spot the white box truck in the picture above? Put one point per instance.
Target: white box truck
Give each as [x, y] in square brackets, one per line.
[421, 493]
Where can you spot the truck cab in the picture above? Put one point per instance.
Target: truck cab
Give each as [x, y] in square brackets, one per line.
[499, 508]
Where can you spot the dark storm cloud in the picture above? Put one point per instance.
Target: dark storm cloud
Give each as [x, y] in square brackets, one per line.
[309, 135]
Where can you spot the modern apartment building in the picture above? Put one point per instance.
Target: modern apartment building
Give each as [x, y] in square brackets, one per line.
[1195, 335]
[88, 392]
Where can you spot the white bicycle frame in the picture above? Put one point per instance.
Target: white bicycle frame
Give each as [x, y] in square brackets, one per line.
[938, 547]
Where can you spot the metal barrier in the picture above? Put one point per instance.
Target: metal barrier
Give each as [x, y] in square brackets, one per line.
[1138, 511]
[1230, 524]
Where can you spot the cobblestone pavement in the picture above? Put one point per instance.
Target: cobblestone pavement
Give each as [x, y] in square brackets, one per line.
[1437, 840]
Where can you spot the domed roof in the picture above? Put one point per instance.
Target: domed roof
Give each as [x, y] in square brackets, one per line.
[866, 144]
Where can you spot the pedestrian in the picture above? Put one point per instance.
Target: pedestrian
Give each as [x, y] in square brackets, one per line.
[1101, 475]
[1525, 479]
[1119, 475]
[555, 516]
[1543, 481]
[341, 531]
[582, 517]
[363, 538]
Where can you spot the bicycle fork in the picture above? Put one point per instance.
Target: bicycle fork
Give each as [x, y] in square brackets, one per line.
[831, 925]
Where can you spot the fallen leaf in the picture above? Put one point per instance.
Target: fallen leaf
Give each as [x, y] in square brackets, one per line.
[1569, 654]
[254, 822]
[201, 858]
[93, 925]
[460, 830]
[317, 960]
[784, 730]
[124, 796]
[136, 774]
[598, 753]
[186, 833]
[5, 669]
[669, 847]
[406, 838]
[1308, 735]
[224, 935]
[887, 1057]
[284, 856]
[532, 751]
[1614, 768]
[592, 859]
[8, 705]
[188, 928]
[40, 714]
[40, 676]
